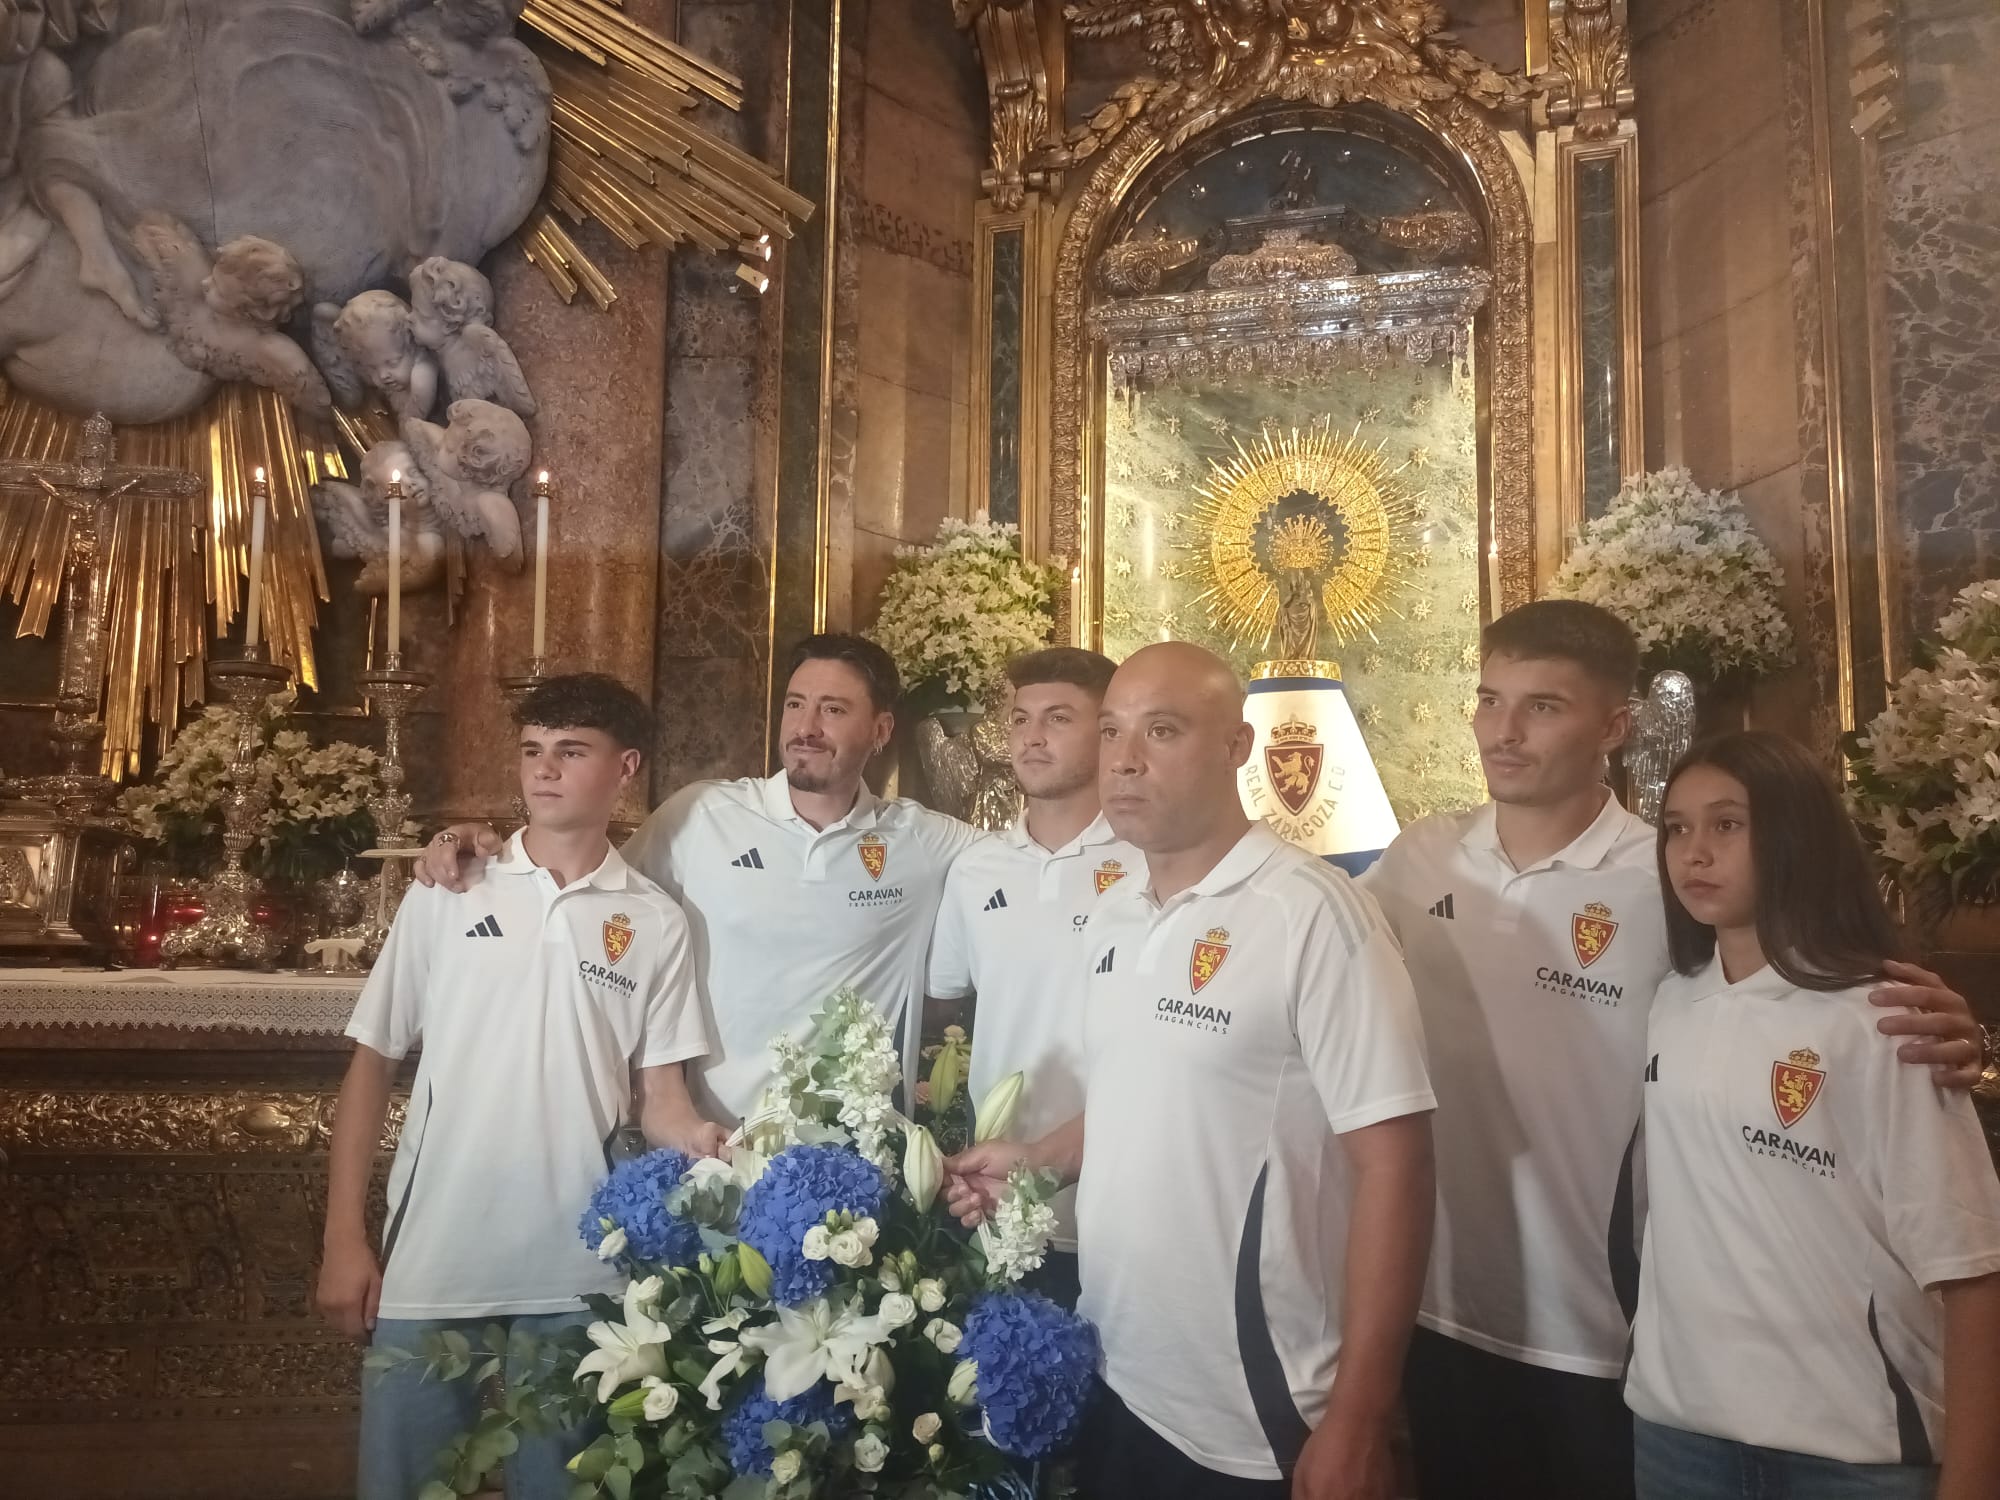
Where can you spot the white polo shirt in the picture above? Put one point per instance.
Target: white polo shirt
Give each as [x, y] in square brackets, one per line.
[1230, 1034]
[534, 1003]
[1534, 986]
[1011, 929]
[784, 914]
[1805, 1188]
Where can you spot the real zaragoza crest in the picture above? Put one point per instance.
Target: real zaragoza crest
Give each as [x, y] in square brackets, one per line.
[874, 851]
[1207, 957]
[1795, 1084]
[1590, 932]
[1292, 760]
[1107, 875]
[617, 937]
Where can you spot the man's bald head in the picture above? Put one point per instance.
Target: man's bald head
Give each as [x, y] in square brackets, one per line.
[1173, 738]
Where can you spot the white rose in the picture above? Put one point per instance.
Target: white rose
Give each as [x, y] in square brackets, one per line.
[785, 1467]
[925, 1427]
[661, 1398]
[897, 1311]
[865, 1229]
[930, 1294]
[871, 1405]
[818, 1243]
[847, 1249]
[890, 1279]
[612, 1245]
[870, 1453]
[946, 1335]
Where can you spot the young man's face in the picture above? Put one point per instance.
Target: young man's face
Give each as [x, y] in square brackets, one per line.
[1544, 726]
[1052, 739]
[830, 727]
[571, 778]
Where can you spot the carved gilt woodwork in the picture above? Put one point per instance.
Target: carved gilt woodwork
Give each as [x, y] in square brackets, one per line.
[1591, 86]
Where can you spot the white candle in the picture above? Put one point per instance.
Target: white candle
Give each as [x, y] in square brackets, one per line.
[1076, 603]
[541, 563]
[395, 642]
[253, 629]
[1493, 578]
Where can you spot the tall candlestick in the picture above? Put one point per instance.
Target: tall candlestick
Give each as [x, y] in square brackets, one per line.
[260, 501]
[541, 563]
[395, 642]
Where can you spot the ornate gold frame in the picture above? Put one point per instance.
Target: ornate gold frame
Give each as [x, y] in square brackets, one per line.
[1503, 333]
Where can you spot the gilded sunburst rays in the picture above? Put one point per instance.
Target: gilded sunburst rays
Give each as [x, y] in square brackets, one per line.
[1304, 500]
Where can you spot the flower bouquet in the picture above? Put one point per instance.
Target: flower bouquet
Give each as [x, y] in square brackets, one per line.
[805, 1319]
[1926, 783]
[1682, 566]
[954, 612]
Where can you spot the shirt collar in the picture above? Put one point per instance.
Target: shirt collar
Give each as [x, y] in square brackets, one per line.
[1097, 832]
[1586, 851]
[1766, 984]
[778, 805]
[1244, 859]
[610, 874]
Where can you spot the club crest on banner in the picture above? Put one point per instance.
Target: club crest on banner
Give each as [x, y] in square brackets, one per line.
[1292, 760]
[874, 851]
[1207, 957]
[617, 937]
[1590, 932]
[1795, 1083]
[1108, 874]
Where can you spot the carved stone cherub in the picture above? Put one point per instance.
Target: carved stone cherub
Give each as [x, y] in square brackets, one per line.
[469, 463]
[356, 520]
[371, 343]
[451, 307]
[222, 318]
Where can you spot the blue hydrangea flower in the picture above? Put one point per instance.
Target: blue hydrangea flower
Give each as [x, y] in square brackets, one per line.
[743, 1423]
[1036, 1363]
[799, 1188]
[634, 1198]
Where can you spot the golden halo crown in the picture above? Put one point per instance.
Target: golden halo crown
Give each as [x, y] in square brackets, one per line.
[1596, 909]
[1294, 732]
[1218, 935]
[1805, 1057]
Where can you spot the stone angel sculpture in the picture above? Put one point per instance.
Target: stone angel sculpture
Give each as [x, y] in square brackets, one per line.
[451, 306]
[1662, 729]
[470, 461]
[222, 318]
[355, 518]
[371, 344]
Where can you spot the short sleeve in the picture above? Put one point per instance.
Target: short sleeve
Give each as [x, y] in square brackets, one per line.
[389, 1015]
[652, 848]
[676, 1022]
[952, 837]
[1927, 1159]
[949, 975]
[1355, 1013]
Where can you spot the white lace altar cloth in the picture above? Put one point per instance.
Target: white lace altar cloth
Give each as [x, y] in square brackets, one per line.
[188, 999]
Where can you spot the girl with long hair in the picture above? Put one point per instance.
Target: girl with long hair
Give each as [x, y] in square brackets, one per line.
[1819, 1299]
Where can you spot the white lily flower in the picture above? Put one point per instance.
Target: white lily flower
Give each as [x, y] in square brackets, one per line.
[612, 1245]
[731, 1361]
[867, 1389]
[629, 1350]
[785, 1467]
[995, 1115]
[818, 1243]
[813, 1343]
[964, 1387]
[923, 1167]
[870, 1453]
[729, 1322]
[661, 1398]
[897, 1310]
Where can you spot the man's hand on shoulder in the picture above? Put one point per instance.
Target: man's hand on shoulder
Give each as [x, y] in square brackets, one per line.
[1943, 1031]
[449, 855]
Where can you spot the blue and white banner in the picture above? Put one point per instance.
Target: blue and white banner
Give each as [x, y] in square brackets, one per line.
[1310, 775]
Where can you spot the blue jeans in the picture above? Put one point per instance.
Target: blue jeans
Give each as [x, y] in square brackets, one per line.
[406, 1417]
[1674, 1465]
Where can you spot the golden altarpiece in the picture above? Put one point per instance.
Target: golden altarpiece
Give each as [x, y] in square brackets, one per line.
[1307, 299]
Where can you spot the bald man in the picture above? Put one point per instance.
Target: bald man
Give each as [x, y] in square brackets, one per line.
[1253, 1160]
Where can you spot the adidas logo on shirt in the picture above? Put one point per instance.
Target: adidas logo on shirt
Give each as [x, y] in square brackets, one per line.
[749, 859]
[1444, 909]
[1104, 963]
[995, 901]
[488, 927]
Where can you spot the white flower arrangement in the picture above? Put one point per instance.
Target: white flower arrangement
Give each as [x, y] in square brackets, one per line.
[1682, 566]
[1926, 785]
[313, 797]
[954, 612]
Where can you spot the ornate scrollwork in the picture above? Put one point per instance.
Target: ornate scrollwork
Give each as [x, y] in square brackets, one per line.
[1136, 267]
[1593, 56]
[1432, 235]
[1008, 33]
[1284, 256]
[119, 1120]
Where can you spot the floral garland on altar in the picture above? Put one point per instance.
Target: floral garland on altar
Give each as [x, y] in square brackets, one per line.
[1683, 567]
[803, 1320]
[954, 612]
[1926, 770]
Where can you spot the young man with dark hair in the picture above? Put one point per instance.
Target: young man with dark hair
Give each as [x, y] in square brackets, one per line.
[1534, 934]
[795, 884]
[543, 997]
[1011, 926]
